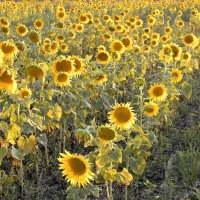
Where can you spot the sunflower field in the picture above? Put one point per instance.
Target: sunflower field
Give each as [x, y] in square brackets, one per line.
[99, 99]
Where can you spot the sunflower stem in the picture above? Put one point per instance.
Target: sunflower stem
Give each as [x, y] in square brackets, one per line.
[64, 136]
[111, 196]
[46, 155]
[107, 191]
[60, 139]
[141, 105]
[21, 174]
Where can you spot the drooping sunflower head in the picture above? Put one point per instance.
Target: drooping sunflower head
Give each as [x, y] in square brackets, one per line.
[127, 42]
[100, 79]
[9, 49]
[7, 81]
[4, 22]
[158, 92]
[39, 24]
[177, 75]
[63, 64]
[34, 37]
[117, 46]
[34, 72]
[83, 19]
[151, 109]
[79, 65]
[21, 30]
[62, 79]
[54, 47]
[106, 134]
[76, 168]
[190, 40]
[122, 116]
[24, 93]
[103, 57]
[177, 51]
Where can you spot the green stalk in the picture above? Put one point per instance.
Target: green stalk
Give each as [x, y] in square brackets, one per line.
[21, 174]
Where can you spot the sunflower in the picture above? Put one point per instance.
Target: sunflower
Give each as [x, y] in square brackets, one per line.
[78, 65]
[83, 19]
[154, 42]
[35, 71]
[76, 168]
[62, 79]
[21, 30]
[177, 75]
[103, 57]
[122, 116]
[4, 22]
[21, 46]
[60, 38]
[186, 57]
[127, 42]
[54, 47]
[9, 49]
[64, 47]
[117, 46]
[34, 37]
[107, 37]
[101, 48]
[63, 64]
[166, 54]
[100, 79]
[167, 30]
[39, 24]
[158, 92]
[177, 51]
[106, 134]
[24, 93]
[61, 15]
[151, 20]
[79, 28]
[7, 81]
[115, 56]
[151, 109]
[190, 40]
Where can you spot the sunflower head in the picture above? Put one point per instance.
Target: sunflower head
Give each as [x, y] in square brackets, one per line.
[177, 75]
[127, 42]
[76, 168]
[122, 116]
[34, 37]
[100, 79]
[62, 79]
[103, 57]
[190, 40]
[7, 81]
[21, 30]
[9, 49]
[117, 46]
[63, 64]
[158, 92]
[79, 65]
[34, 72]
[39, 24]
[106, 134]
[24, 93]
[151, 109]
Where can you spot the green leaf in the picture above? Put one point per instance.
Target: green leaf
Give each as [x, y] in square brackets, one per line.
[3, 153]
[42, 139]
[16, 153]
[116, 155]
[186, 89]
[3, 127]
[137, 165]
